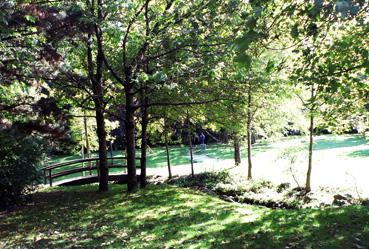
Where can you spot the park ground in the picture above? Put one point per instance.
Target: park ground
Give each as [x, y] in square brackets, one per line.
[170, 217]
[339, 162]
[167, 216]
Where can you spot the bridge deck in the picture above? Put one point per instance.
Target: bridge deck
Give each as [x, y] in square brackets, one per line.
[74, 166]
[119, 178]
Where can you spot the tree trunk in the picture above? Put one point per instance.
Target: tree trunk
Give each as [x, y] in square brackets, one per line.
[249, 161]
[190, 143]
[86, 136]
[237, 155]
[130, 136]
[311, 129]
[87, 142]
[249, 144]
[143, 142]
[82, 154]
[98, 97]
[111, 149]
[103, 163]
[167, 148]
[191, 153]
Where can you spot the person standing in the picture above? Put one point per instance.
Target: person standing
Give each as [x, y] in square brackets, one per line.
[202, 141]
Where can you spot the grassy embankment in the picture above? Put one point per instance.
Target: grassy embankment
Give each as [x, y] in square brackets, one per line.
[170, 217]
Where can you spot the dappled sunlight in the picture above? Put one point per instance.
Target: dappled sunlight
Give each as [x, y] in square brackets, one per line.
[184, 124]
[363, 153]
[334, 155]
[342, 141]
[169, 216]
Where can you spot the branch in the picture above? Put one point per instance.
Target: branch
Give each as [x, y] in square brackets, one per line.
[180, 48]
[13, 106]
[125, 38]
[184, 103]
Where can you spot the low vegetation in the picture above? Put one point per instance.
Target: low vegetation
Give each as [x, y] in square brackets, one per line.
[20, 157]
[234, 187]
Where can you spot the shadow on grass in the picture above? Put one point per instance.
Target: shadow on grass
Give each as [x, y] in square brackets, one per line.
[339, 142]
[158, 157]
[224, 151]
[179, 154]
[166, 216]
[358, 153]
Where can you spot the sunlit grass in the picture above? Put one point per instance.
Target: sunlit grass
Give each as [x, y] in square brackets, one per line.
[166, 216]
[338, 161]
[180, 153]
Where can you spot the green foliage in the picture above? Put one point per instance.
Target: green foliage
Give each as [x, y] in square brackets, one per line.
[260, 192]
[20, 159]
[206, 179]
[249, 57]
[244, 60]
[78, 131]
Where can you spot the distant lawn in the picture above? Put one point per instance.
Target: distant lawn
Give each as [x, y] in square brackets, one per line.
[156, 157]
[170, 217]
[338, 150]
[179, 154]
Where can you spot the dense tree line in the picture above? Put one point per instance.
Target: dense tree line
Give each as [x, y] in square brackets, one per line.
[153, 64]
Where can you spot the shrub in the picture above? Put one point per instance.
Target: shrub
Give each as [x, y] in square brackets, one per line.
[205, 179]
[19, 158]
[229, 189]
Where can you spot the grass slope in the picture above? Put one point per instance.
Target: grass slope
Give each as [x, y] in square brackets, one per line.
[170, 217]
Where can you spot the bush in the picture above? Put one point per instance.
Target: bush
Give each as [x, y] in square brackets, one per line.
[205, 179]
[19, 158]
[238, 188]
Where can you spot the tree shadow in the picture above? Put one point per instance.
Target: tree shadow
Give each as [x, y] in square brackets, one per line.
[358, 153]
[334, 143]
[168, 216]
[344, 227]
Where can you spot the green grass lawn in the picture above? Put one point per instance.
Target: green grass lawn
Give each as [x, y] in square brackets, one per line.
[179, 153]
[170, 217]
[156, 157]
[339, 154]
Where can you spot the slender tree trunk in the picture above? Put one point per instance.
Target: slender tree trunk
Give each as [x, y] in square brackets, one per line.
[311, 140]
[125, 156]
[167, 148]
[111, 153]
[190, 143]
[86, 142]
[130, 136]
[249, 161]
[86, 136]
[237, 155]
[249, 144]
[103, 163]
[82, 154]
[191, 153]
[308, 174]
[144, 123]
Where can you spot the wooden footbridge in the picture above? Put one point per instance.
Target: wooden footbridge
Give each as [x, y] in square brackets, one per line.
[84, 171]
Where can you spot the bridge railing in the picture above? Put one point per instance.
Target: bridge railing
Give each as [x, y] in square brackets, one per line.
[58, 170]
